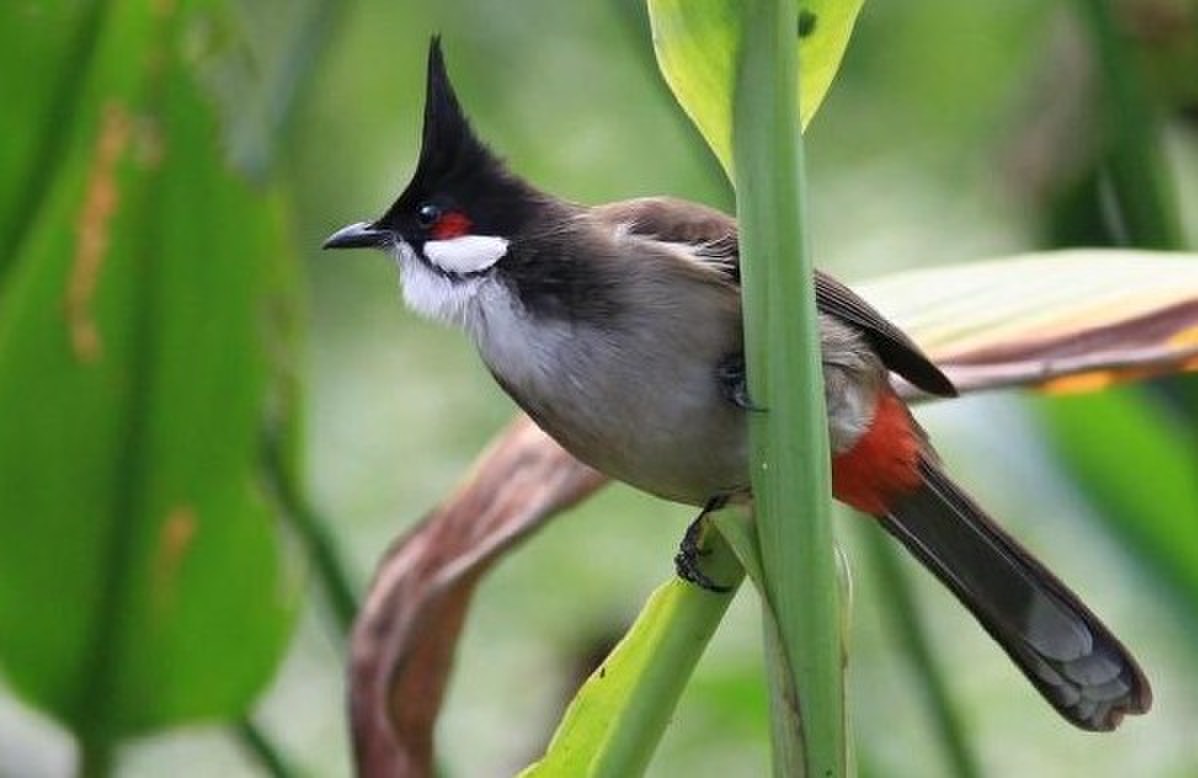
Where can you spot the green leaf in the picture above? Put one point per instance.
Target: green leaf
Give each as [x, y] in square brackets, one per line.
[615, 721]
[51, 44]
[141, 581]
[697, 44]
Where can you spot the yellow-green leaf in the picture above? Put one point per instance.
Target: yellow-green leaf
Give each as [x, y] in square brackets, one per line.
[696, 43]
[614, 722]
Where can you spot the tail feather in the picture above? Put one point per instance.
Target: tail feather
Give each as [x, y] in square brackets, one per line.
[1063, 649]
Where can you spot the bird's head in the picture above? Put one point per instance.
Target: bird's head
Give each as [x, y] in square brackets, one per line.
[457, 218]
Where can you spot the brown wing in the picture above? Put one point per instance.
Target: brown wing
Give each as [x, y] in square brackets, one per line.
[898, 352]
[714, 236]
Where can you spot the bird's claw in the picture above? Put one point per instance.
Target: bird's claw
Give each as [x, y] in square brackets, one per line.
[686, 561]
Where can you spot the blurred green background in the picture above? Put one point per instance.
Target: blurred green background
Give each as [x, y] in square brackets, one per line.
[955, 131]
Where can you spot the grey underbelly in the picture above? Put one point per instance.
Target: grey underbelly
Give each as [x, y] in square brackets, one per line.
[687, 459]
[637, 398]
[667, 430]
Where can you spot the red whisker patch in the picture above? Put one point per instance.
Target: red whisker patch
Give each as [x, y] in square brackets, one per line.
[453, 224]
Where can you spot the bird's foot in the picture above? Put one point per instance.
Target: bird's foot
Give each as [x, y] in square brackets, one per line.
[690, 550]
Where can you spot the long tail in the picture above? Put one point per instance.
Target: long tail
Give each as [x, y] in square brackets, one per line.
[1063, 649]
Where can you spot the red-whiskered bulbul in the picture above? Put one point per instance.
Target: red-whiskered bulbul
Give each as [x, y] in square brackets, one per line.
[617, 328]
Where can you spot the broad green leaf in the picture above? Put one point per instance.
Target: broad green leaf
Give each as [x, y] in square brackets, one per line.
[697, 49]
[45, 49]
[140, 574]
[1136, 462]
[615, 721]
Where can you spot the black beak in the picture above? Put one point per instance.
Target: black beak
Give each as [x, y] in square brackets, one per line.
[357, 236]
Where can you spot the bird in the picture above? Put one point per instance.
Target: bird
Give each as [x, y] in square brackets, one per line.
[617, 328]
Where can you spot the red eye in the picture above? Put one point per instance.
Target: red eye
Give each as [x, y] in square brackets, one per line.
[451, 224]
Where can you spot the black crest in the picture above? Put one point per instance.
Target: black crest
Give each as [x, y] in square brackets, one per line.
[449, 148]
[456, 170]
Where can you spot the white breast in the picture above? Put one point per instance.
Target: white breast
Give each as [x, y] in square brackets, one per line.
[435, 295]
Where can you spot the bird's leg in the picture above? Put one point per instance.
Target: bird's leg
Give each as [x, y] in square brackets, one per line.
[686, 562]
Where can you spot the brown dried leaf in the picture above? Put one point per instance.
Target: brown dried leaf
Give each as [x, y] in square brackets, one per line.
[403, 641]
[1074, 320]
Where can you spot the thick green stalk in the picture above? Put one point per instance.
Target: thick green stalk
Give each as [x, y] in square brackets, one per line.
[314, 531]
[791, 480]
[902, 613]
[1139, 180]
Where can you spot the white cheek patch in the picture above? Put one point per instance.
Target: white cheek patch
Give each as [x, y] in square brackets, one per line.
[466, 254]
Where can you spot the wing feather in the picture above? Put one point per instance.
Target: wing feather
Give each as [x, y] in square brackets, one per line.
[712, 236]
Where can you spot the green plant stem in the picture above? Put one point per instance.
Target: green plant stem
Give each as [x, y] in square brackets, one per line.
[616, 720]
[263, 750]
[790, 464]
[315, 533]
[684, 637]
[95, 757]
[290, 82]
[1138, 174]
[902, 613]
